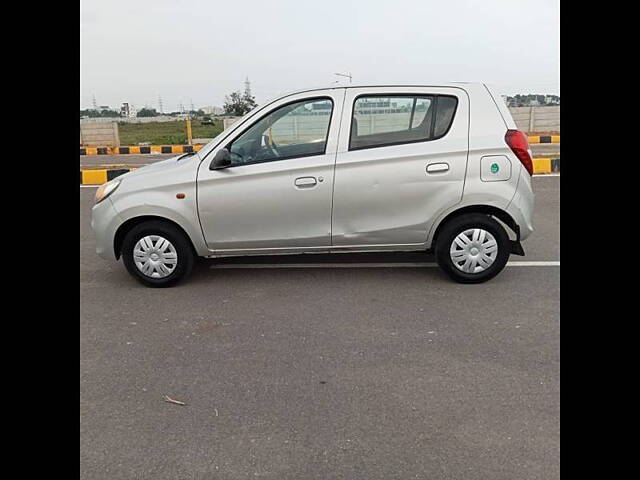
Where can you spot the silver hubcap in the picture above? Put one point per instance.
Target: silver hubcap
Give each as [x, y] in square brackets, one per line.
[155, 256]
[473, 250]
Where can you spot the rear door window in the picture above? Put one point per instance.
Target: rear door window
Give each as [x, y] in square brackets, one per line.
[379, 121]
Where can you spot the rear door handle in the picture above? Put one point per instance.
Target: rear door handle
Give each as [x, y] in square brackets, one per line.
[305, 182]
[437, 167]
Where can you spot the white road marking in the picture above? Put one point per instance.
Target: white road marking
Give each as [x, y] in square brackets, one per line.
[365, 265]
[534, 264]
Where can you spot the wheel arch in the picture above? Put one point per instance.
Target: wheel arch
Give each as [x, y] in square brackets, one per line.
[126, 227]
[490, 210]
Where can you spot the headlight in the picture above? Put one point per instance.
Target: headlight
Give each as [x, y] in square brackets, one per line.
[106, 189]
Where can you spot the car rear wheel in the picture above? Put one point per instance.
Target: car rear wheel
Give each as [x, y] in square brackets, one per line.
[472, 248]
[157, 253]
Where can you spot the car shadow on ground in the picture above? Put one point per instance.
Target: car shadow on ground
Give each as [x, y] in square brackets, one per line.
[279, 265]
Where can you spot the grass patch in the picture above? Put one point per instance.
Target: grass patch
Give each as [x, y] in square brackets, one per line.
[165, 133]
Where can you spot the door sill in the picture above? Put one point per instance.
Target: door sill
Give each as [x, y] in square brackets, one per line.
[412, 247]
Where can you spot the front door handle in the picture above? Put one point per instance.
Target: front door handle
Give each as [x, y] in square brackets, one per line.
[305, 182]
[437, 167]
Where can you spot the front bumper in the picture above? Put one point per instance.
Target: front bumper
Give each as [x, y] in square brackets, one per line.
[105, 222]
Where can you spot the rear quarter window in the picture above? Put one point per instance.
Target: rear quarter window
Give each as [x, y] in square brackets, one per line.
[444, 115]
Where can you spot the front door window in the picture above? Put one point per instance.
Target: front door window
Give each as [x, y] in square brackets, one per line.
[298, 129]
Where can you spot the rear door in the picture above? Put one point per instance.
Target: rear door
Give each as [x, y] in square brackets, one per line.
[402, 157]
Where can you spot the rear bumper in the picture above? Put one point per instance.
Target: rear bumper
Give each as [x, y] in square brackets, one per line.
[105, 222]
[521, 206]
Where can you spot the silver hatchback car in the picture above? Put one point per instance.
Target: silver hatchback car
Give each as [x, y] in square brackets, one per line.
[437, 168]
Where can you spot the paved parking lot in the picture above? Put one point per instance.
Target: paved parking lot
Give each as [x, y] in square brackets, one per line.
[355, 373]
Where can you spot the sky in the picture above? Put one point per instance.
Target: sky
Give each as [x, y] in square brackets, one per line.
[199, 51]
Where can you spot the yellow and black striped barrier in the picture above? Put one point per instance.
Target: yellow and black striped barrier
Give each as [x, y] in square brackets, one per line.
[544, 139]
[546, 165]
[140, 149]
[98, 176]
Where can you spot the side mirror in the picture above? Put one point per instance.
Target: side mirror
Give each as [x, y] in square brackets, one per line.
[221, 160]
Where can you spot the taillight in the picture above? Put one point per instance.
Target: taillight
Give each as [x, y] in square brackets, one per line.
[519, 145]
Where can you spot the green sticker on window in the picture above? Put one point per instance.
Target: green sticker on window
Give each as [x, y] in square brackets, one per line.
[494, 168]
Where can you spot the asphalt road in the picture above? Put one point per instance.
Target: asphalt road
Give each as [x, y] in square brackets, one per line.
[327, 373]
[542, 149]
[130, 160]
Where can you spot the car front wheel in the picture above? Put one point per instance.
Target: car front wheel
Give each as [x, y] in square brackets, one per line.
[157, 253]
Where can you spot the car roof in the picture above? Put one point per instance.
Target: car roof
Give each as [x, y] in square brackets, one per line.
[412, 84]
[335, 86]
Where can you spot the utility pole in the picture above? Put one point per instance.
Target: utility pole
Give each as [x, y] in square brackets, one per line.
[95, 105]
[160, 103]
[189, 135]
[247, 87]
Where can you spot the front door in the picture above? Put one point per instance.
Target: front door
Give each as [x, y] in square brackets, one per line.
[276, 195]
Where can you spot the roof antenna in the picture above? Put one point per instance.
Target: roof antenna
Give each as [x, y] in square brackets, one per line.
[348, 75]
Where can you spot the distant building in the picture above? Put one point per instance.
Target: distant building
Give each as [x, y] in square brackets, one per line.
[369, 107]
[127, 110]
[102, 108]
[211, 110]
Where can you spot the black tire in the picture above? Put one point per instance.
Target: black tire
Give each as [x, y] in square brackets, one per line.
[458, 225]
[174, 235]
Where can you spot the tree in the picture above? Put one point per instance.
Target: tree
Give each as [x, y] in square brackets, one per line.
[148, 112]
[238, 104]
[109, 113]
[91, 113]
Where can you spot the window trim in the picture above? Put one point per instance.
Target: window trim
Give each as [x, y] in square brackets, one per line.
[435, 97]
[300, 100]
